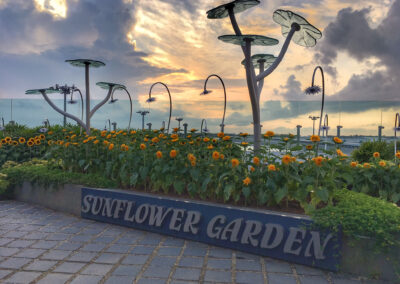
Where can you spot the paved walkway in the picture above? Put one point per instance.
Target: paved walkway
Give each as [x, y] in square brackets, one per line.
[38, 245]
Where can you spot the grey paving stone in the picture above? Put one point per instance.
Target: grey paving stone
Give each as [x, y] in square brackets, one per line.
[4, 241]
[142, 250]
[82, 256]
[157, 271]
[128, 240]
[191, 261]
[93, 247]
[109, 258]
[163, 261]
[86, 279]
[40, 265]
[4, 273]
[219, 263]
[278, 266]
[151, 281]
[174, 242]
[14, 262]
[306, 270]
[128, 270]
[187, 273]
[58, 237]
[183, 282]
[119, 248]
[81, 238]
[23, 277]
[45, 244]
[97, 269]
[170, 251]
[69, 246]
[247, 256]
[20, 244]
[56, 254]
[69, 267]
[8, 251]
[36, 236]
[220, 253]
[92, 231]
[242, 264]
[29, 228]
[54, 278]
[218, 276]
[135, 259]
[306, 279]
[345, 281]
[104, 239]
[71, 230]
[249, 277]
[150, 240]
[195, 251]
[275, 278]
[120, 280]
[15, 234]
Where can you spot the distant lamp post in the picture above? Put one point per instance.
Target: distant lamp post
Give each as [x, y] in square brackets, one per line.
[380, 127]
[69, 90]
[12, 122]
[152, 99]
[315, 90]
[325, 128]
[149, 126]
[294, 27]
[143, 114]
[2, 127]
[203, 127]
[86, 63]
[396, 128]
[185, 127]
[108, 121]
[114, 124]
[313, 118]
[338, 130]
[298, 133]
[113, 100]
[205, 92]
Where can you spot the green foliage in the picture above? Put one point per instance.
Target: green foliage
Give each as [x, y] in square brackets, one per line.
[39, 172]
[364, 153]
[4, 183]
[361, 215]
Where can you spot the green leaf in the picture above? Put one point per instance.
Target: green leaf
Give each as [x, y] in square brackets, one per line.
[280, 194]
[205, 183]
[246, 191]
[133, 179]
[322, 194]
[228, 189]
[179, 186]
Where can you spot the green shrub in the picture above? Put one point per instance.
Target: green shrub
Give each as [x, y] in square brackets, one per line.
[361, 215]
[365, 151]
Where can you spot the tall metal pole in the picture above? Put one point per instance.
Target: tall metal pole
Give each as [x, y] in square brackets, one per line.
[65, 108]
[88, 114]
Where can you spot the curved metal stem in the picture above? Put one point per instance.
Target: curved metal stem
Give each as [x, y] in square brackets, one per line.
[396, 127]
[170, 101]
[56, 108]
[201, 127]
[223, 85]
[326, 125]
[323, 93]
[130, 101]
[278, 60]
[100, 104]
[82, 106]
[261, 82]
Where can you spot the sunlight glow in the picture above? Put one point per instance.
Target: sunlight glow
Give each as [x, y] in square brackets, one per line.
[58, 8]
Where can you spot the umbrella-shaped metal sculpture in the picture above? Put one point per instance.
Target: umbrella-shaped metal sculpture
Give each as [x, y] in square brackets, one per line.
[396, 129]
[86, 63]
[291, 24]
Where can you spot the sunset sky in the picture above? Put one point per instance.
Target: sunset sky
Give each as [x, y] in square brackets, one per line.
[145, 41]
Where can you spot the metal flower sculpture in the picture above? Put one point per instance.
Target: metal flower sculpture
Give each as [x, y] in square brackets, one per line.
[152, 99]
[396, 129]
[86, 63]
[293, 27]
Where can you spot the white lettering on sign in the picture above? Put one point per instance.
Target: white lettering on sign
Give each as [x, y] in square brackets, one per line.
[268, 236]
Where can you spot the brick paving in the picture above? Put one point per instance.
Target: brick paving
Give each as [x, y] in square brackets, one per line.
[38, 245]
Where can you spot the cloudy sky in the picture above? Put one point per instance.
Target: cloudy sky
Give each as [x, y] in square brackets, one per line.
[145, 41]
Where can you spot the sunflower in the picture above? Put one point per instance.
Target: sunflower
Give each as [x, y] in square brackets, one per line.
[189, 136]
[191, 157]
[376, 155]
[382, 163]
[108, 136]
[398, 154]
[176, 129]
[37, 142]
[366, 165]
[318, 160]
[256, 161]
[315, 138]
[156, 130]
[309, 147]
[8, 139]
[193, 163]
[215, 155]
[30, 143]
[50, 132]
[337, 140]
[174, 136]
[175, 140]
[245, 144]
[269, 134]
[247, 181]
[21, 140]
[142, 146]
[155, 140]
[50, 142]
[206, 139]
[286, 159]
[245, 134]
[96, 142]
[42, 137]
[220, 134]
[252, 169]
[271, 168]
[353, 164]
[226, 138]
[193, 130]
[14, 143]
[133, 131]
[235, 162]
[172, 153]
[66, 145]
[210, 147]
[285, 139]
[111, 146]
[340, 153]
[159, 154]
[221, 156]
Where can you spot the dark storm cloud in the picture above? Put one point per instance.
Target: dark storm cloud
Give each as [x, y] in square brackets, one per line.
[351, 33]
